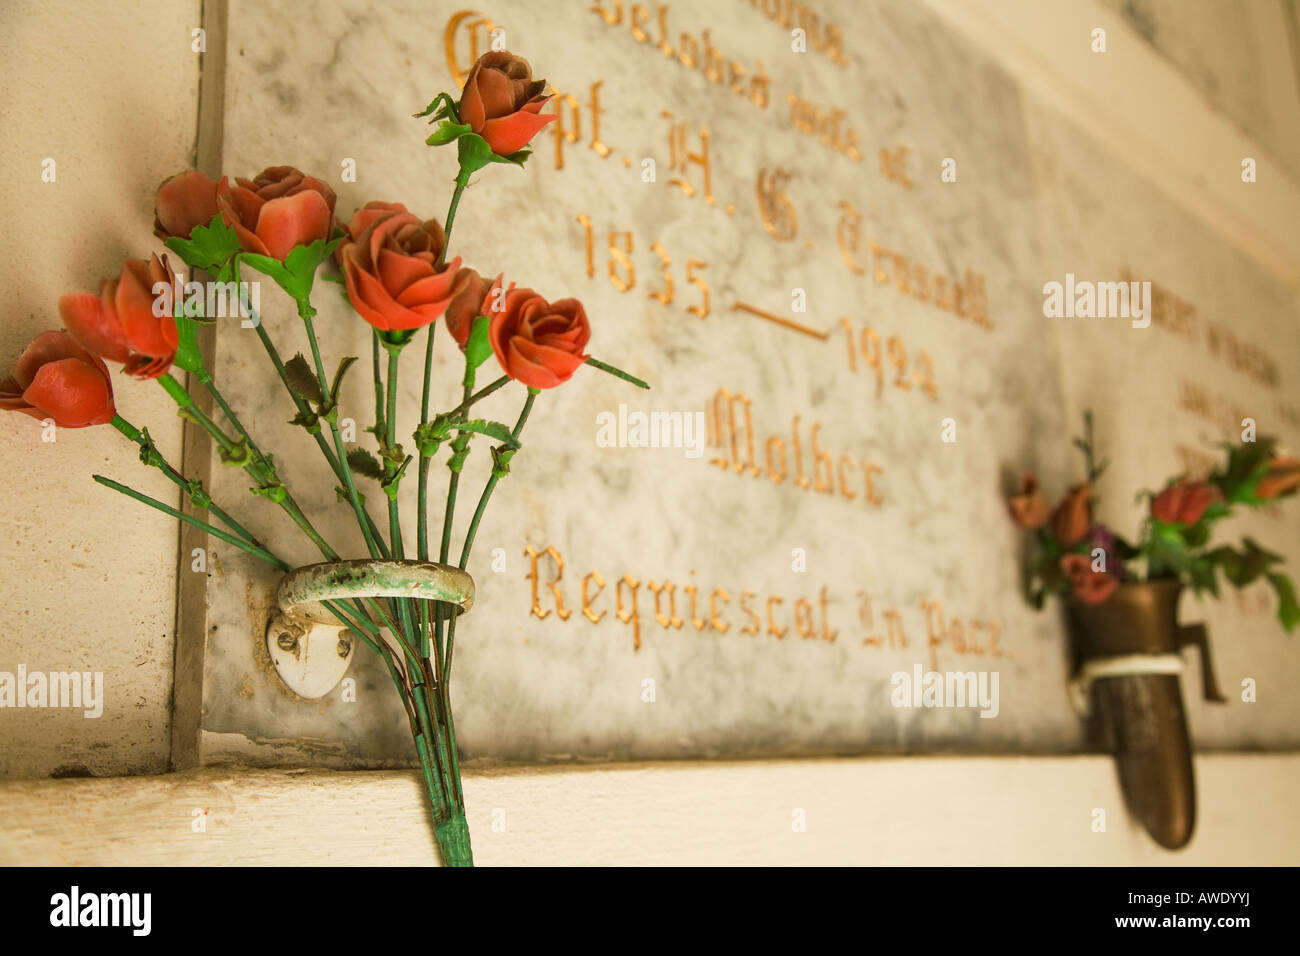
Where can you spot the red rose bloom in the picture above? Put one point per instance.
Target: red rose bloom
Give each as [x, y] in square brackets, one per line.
[469, 292]
[185, 201]
[280, 209]
[1089, 586]
[1073, 516]
[56, 378]
[122, 323]
[1184, 502]
[536, 342]
[1029, 508]
[1282, 478]
[390, 264]
[501, 102]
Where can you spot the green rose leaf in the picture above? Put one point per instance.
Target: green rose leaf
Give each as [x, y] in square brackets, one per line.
[364, 463]
[1288, 609]
[303, 380]
[478, 348]
[209, 247]
[344, 365]
[498, 430]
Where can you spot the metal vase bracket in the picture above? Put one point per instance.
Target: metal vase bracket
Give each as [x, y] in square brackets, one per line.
[1126, 679]
[310, 648]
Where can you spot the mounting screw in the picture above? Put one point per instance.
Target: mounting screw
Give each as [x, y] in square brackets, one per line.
[345, 646]
[286, 641]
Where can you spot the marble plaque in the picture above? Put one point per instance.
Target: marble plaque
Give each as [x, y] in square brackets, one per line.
[863, 340]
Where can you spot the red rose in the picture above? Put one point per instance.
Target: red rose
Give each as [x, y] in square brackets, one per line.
[390, 264]
[187, 200]
[56, 378]
[501, 102]
[1089, 586]
[1029, 508]
[1184, 502]
[1073, 516]
[280, 209]
[536, 342]
[122, 323]
[1282, 478]
[469, 292]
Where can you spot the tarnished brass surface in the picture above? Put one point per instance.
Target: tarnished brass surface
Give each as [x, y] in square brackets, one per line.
[1140, 717]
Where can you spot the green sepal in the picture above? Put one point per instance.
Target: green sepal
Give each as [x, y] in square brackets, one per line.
[475, 153]
[274, 492]
[447, 132]
[149, 451]
[297, 274]
[459, 452]
[391, 483]
[346, 498]
[238, 457]
[449, 108]
[309, 420]
[209, 247]
[199, 497]
[501, 456]
[478, 347]
[188, 356]
[397, 338]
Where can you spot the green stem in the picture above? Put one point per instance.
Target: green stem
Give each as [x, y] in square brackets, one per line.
[179, 515]
[304, 411]
[470, 400]
[256, 465]
[478, 516]
[422, 520]
[461, 182]
[152, 456]
[306, 312]
[616, 372]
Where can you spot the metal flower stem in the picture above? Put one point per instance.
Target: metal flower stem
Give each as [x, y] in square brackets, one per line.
[255, 466]
[151, 456]
[304, 410]
[478, 515]
[307, 312]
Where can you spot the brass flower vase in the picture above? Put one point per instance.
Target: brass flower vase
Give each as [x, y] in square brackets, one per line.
[1126, 662]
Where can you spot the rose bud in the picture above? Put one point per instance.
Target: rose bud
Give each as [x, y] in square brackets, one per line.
[280, 209]
[501, 102]
[536, 342]
[1089, 586]
[1073, 516]
[469, 293]
[390, 265]
[1184, 502]
[185, 201]
[122, 323]
[56, 378]
[1029, 508]
[1282, 478]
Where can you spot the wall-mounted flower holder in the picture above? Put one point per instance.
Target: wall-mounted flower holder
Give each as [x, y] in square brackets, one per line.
[1127, 664]
[311, 651]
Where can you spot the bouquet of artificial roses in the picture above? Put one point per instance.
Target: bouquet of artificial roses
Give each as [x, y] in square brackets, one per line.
[1077, 555]
[396, 272]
